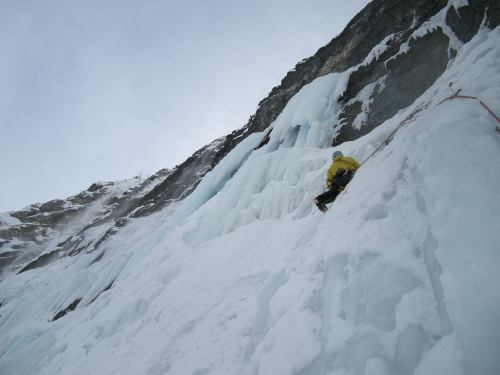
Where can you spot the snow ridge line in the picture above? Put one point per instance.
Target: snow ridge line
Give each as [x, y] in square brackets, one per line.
[413, 116]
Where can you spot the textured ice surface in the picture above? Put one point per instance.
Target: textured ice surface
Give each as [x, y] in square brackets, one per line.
[246, 276]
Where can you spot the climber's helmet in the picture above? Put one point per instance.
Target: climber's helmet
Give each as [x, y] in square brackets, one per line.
[336, 154]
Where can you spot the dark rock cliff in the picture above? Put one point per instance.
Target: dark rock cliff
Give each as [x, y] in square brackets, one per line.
[401, 77]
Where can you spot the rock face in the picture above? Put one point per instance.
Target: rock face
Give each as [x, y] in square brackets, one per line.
[390, 67]
[184, 178]
[409, 66]
[41, 233]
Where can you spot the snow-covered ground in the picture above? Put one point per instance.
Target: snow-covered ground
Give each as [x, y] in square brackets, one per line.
[246, 276]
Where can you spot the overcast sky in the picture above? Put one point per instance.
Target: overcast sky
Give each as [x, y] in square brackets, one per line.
[96, 90]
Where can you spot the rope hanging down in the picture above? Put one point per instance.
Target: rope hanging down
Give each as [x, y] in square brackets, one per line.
[413, 116]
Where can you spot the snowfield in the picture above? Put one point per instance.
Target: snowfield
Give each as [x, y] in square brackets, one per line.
[246, 276]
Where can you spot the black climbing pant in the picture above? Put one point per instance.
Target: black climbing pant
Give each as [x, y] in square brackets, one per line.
[338, 184]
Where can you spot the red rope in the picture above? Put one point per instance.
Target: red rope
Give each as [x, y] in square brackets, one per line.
[412, 117]
[474, 98]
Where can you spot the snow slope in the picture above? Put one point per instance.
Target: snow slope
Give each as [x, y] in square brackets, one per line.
[245, 276]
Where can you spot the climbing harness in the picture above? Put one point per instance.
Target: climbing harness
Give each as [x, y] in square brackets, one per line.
[414, 115]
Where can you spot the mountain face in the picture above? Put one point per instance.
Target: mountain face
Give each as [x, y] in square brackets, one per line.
[382, 81]
[222, 265]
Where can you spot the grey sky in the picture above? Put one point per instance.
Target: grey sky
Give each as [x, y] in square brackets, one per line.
[104, 90]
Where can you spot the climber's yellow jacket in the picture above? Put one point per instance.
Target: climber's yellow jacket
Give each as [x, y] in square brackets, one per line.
[340, 162]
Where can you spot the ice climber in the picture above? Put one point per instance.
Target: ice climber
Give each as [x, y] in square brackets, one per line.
[338, 176]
